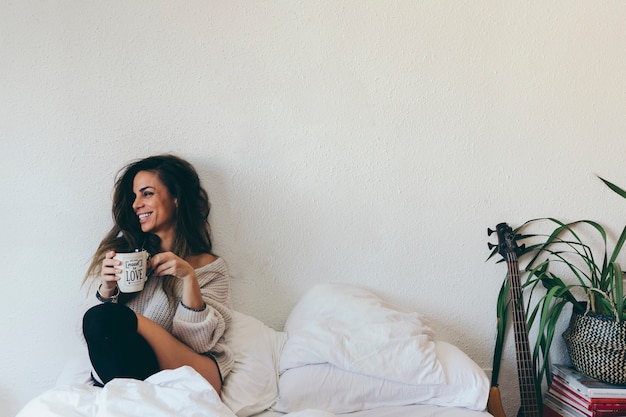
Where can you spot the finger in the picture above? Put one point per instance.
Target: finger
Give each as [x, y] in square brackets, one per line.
[160, 270]
[110, 282]
[111, 267]
[158, 261]
[111, 271]
[166, 268]
[109, 278]
[111, 263]
[154, 261]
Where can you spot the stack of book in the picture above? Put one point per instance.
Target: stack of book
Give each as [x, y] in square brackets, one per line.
[573, 394]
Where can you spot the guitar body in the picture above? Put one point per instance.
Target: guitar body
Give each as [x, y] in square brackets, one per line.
[529, 392]
[494, 404]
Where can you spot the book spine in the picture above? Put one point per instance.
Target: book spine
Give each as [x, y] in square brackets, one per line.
[566, 404]
[560, 409]
[564, 397]
[549, 412]
[566, 401]
[561, 386]
[573, 379]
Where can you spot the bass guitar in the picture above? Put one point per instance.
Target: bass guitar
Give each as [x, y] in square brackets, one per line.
[529, 392]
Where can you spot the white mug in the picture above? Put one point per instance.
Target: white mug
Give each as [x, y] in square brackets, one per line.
[134, 271]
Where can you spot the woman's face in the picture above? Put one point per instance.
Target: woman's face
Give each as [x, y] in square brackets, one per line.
[154, 206]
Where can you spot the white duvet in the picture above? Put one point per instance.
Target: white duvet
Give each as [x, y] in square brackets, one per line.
[353, 330]
[172, 393]
[344, 350]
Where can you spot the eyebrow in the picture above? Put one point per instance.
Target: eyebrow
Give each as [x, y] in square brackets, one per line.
[145, 188]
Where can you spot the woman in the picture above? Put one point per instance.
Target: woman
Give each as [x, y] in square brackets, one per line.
[180, 316]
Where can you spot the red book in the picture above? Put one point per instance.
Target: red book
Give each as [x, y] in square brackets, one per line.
[554, 408]
[567, 403]
[586, 386]
[549, 412]
[561, 390]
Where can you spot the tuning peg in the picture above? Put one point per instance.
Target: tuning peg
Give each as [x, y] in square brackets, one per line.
[490, 232]
[491, 245]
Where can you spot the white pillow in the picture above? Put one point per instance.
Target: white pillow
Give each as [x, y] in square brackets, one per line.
[356, 331]
[335, 390]
[252, 385]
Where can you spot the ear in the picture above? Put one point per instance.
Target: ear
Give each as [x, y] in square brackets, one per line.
[176, 202]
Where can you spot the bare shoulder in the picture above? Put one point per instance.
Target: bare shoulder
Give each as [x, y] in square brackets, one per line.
[200, 260]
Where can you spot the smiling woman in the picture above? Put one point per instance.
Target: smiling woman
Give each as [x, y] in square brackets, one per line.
[154, 206]
[180, 316]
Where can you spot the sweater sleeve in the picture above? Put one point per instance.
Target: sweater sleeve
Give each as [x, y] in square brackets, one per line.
[201, 330]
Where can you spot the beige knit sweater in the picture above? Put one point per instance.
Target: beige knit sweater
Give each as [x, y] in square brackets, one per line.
[202, 331]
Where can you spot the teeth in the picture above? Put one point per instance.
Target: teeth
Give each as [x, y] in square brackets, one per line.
[143, 216]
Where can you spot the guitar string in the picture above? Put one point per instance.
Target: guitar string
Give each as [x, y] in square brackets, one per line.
[526, 370]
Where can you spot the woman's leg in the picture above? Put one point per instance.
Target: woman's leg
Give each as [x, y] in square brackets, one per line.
[115, 348]
[172, 353]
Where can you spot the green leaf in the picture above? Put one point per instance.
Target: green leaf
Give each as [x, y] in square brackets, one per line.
[618, 291]
[502, 310]
[613, 187]
[557, 264]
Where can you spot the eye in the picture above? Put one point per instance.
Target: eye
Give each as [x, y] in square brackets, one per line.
[148, 194]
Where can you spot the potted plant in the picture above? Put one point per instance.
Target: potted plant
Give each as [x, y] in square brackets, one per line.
[572, 264]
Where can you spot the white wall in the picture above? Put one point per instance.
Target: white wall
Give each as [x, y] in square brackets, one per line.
[365, 142]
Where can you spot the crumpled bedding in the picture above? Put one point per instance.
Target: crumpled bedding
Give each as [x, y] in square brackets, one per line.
[354, 330]
[343, 329]
[170, 393]
[348, 350]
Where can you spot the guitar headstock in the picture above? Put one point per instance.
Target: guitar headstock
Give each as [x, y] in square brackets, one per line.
[506, 240]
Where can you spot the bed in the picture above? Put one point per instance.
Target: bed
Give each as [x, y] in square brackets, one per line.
[343, 351]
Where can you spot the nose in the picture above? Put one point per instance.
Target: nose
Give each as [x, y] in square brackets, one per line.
[137, 203]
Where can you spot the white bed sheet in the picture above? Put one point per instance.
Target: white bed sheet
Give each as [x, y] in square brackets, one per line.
[403, 411]
[256, 383]
[183, 392]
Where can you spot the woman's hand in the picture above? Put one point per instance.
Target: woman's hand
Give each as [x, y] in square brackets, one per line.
[167, 263]
[108, 277]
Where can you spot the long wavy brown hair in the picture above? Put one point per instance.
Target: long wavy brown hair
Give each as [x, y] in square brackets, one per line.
[192, 225]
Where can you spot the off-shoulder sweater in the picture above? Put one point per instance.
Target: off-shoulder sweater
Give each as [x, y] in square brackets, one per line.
[203, 330]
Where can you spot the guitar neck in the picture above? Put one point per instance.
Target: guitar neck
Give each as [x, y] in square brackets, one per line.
[525, 364]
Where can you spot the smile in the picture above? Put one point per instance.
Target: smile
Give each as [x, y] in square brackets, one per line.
[143, 216]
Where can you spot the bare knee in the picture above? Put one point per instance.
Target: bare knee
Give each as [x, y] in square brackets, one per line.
[172, 353]
[210, 371]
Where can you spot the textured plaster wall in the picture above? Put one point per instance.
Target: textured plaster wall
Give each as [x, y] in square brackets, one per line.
[363, 142]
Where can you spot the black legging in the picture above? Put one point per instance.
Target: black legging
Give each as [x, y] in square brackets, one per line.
[115, 348]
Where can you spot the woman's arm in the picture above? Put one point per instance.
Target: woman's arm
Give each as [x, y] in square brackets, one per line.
[204, 312]
[202, 328]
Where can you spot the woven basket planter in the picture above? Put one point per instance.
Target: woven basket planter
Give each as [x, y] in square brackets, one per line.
[597, 346]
